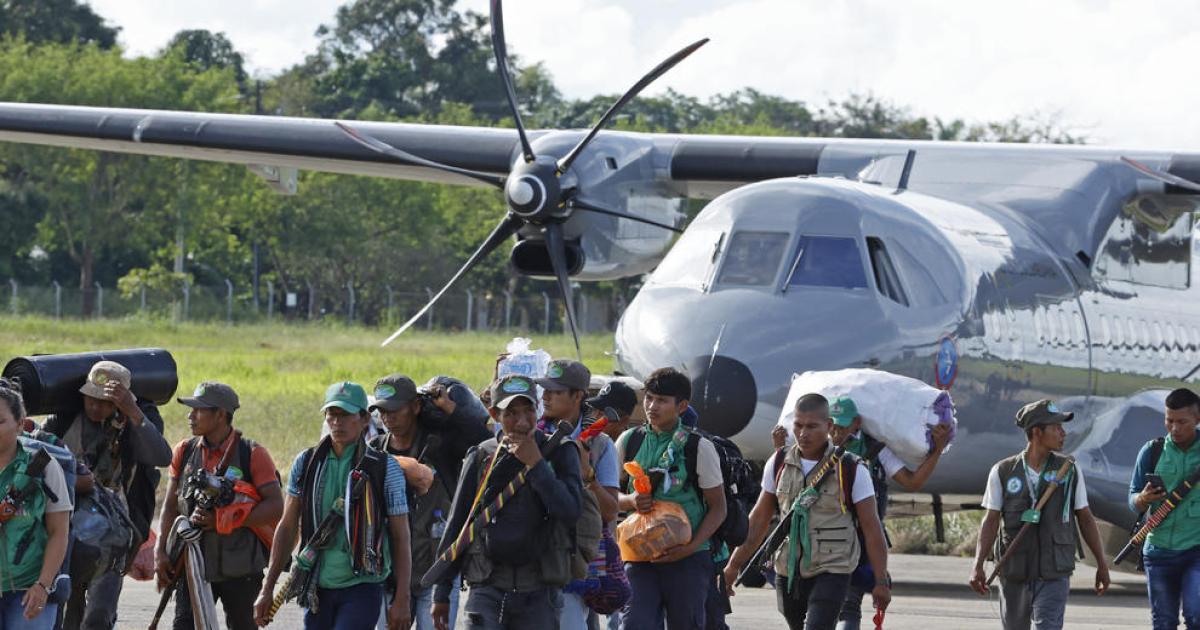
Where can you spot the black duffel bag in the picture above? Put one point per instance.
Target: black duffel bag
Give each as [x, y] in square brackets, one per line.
[50, 382]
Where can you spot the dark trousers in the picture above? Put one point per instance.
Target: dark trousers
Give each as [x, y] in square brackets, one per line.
[489, 608]
[93, 605]
[717, 604]
[236, 596]
[813, 603]
[351, 608]
[680, 589]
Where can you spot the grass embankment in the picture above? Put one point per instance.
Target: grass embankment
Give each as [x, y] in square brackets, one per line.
[280, 371]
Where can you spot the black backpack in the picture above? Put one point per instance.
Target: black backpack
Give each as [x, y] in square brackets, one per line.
[740, 483]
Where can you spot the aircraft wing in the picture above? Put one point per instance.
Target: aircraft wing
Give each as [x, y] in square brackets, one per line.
[317, 145]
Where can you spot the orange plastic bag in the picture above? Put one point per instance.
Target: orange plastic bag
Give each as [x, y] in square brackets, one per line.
[143, 562]
[643, 537]
[416, 475]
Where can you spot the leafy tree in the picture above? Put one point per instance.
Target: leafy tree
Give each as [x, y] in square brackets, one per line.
[55, 21]
[207, 50]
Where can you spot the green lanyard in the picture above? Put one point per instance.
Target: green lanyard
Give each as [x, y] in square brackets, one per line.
[1034, 515]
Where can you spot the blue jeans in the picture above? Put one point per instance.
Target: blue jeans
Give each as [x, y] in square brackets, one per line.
[812, 603]
[351, 608]
[1173, 579]
[422, 606]
[12, 614]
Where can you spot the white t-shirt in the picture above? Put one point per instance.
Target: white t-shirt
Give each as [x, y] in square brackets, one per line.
[863, 488]
[993, 497]
[708, 463]
[56, 483]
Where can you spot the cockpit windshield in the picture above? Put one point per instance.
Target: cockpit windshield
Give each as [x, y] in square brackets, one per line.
[828, 261]
[753, 258]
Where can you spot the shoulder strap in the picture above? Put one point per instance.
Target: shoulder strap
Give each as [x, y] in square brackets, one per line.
[188, 451]
[1156, 451]
[777, 462]
[245, 450]
[691, 450]
[850, 473]
[634, 443]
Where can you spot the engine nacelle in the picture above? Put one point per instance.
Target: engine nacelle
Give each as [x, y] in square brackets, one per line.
[530, 258]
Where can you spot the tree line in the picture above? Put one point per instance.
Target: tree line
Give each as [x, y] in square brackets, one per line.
[81, 217]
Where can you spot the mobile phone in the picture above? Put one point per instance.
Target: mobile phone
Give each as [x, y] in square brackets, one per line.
[1155, 481]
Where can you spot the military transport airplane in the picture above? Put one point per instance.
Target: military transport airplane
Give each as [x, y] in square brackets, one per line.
[1004, 273]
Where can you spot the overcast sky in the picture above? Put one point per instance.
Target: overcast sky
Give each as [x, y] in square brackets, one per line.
[1119, 71]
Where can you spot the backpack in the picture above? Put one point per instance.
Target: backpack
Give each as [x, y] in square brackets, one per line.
[740, 483]
[42, 441]
[588, 530]
[104, 536]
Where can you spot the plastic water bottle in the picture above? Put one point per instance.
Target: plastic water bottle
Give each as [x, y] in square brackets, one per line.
[438, 528]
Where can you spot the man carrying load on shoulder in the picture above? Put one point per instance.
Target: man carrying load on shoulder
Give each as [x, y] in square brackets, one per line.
[238, 527]
[827, 505]
[676, 584]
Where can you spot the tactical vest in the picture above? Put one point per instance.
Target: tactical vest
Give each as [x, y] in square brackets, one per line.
[240, 553]
[421, 517]
[371, 462]
[1181, 529]
[1048, 551]
[551, 542]
[831, 527]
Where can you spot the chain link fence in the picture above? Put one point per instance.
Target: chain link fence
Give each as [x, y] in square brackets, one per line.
[374, 306]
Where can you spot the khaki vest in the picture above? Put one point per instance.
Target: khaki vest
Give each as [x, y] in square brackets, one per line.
[830, 529]
[1048, 551]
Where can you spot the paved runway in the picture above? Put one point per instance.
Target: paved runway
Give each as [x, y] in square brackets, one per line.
[930, 594]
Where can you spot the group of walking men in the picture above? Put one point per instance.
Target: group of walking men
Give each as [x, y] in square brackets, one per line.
[389, 523]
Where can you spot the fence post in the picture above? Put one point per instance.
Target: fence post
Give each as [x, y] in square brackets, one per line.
[546, 314]
[228, 301]
[583, 313]
[187, 299]
[312, 297]
[143, 305]
[429, 315]
[350, 297]
[270, 299]
[57, 300]
[507, 310]
[391, 302]
[470, 304]
[99, 300]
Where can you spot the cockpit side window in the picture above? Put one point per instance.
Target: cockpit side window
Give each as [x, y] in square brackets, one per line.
[828, 261]
[887, 280]
[753, 258]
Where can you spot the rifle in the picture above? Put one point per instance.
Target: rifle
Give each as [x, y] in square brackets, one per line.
[1171, 502]
[491, 500]
[1012, 546]
[778, 535]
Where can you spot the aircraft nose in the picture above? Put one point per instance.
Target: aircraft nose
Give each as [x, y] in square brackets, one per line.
[723, 393]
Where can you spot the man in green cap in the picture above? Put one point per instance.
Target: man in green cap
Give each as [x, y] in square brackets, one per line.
[339, 480]
[883, 464]
[1035, 581]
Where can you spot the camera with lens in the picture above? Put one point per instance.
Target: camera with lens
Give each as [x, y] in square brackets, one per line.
[207, 490]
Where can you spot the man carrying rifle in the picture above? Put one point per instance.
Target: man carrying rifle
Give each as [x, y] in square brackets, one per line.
[824, 495]
[519, 561]
[347, 502]
[235, 508]
[1172, 548]
[1043, 493]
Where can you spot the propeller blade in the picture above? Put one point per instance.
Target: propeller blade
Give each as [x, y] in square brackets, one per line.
[650, 77]
[587, 205]
[505, 229]
[557, 247]
[381, 147]
[501, 51]
[1162, 176]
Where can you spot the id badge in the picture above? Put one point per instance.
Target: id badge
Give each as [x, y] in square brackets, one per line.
[1031, 516]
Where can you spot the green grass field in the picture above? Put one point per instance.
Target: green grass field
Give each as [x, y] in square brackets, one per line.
[281, 371]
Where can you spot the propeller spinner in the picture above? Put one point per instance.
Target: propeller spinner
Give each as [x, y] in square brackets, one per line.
[535, 191]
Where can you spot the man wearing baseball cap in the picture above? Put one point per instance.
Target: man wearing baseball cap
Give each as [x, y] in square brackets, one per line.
[619, 397]
[235, 543]
[350, 569]
[518, 566]
[120, 441]
[1035, 581]
[883, 464]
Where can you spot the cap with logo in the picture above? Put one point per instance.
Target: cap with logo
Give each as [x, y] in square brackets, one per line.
[615, 394]
[346, 395]
[843, 411]
[212, 395]
[100, 375]
[510, 388]
[564, 374]
[1041, 413]
[393, 392]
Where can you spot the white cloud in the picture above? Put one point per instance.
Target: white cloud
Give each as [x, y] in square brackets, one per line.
[1119, 69]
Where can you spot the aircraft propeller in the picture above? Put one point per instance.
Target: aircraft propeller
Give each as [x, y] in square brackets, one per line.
[532, 190]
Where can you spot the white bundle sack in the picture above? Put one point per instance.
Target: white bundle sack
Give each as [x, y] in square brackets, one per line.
[896, 410]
